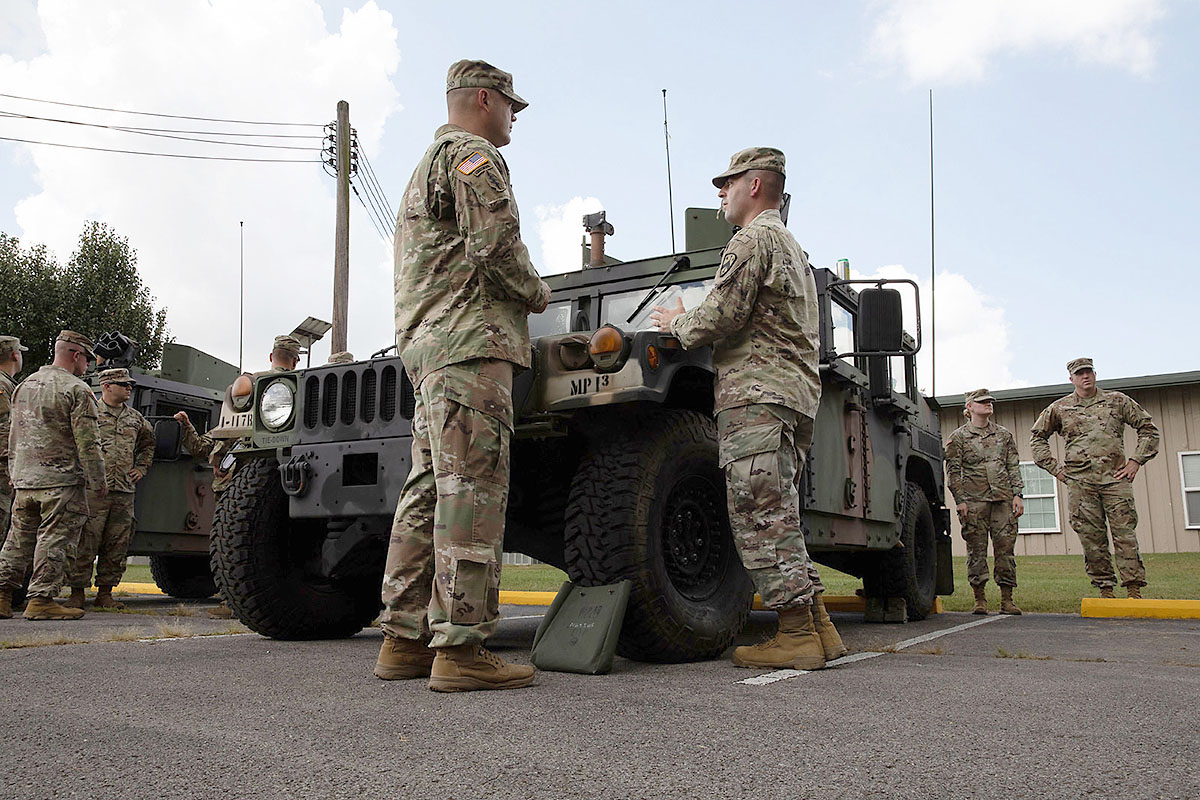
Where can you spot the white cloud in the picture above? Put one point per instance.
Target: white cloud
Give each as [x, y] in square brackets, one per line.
[267, 60]
[561, 231]
[972, 334]
[956, 41]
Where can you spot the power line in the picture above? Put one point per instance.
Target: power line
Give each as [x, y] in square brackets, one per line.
[164, 155]
[370, 216]
[167, 116]
[379, 212]
[370, 171]
[158, 135]
[172, 130]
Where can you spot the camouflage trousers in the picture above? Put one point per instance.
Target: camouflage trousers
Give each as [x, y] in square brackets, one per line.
[6, 499]
[106, 534]
[995, 518]
[762, 449]
[442, 576]
[1091, 506]
[45, 528]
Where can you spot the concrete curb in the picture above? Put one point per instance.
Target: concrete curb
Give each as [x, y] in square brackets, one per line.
[1146, 609]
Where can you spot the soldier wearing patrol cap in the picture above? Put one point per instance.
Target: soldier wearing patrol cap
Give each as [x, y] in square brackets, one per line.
[127, 441]
[54, 454]
[11, 362]
[1097, 474]
[341, 357]
[761, 319]
[464, 288]
[285, 353]
[984, 475]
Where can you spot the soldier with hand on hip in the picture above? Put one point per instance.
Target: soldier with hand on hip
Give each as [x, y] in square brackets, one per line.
[761, 319]
[984, 475]
[11, 362]
[54, 455]
[1098, 476]
[127, 441]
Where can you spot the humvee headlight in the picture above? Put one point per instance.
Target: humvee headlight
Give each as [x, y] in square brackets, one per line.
[276, 405]
[608, 348]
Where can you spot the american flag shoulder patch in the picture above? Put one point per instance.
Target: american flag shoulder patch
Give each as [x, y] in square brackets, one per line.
[472, 163]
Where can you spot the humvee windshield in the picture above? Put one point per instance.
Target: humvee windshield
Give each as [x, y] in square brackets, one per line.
[615, 308]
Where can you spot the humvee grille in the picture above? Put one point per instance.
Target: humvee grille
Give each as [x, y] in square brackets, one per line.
[387, 402]
[329, 401]
[370, 383]
[349, 396]
[312, 394]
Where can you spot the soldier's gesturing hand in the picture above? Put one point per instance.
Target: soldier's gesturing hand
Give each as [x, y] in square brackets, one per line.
[663, 316]
[182, 418]
[1129, 471]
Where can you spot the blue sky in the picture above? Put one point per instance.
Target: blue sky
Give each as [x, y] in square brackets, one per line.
[1066, 178]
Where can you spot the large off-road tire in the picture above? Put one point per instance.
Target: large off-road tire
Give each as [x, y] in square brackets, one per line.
[648, 505]
[910, 571]
[263, 565]
[184, 576]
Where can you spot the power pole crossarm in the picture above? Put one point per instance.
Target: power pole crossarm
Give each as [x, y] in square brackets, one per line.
[341, 244]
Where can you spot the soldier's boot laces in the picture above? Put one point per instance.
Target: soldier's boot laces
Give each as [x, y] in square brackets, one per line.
[1135, 592]
[470, 667]
[795, 645]
[1107, 592]
[48, 608]
[76, 600]
[1007, 606]
[400, 659]
[980, 600]
[104, 599]
[5, 603]
[831, 641]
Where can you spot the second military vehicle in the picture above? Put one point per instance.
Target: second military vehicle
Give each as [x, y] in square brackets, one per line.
[614, 466]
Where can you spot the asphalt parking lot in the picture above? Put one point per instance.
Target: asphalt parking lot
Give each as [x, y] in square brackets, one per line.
[1031, 706]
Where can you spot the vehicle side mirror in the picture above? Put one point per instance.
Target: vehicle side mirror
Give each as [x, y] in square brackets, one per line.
[168, 439]
[880, 326]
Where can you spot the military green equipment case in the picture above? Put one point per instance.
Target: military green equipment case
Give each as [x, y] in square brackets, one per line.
[580, 631]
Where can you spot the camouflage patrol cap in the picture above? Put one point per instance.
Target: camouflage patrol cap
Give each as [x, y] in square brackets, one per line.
[10, 345]
[979, 396]
[767, 158]
[468, 74]
[288, 344]
[1076, 364]
[342, 357]
[115, 376]
[79, 340]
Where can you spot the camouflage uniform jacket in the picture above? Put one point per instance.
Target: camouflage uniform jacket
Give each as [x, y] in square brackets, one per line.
[1093, 434]
[203, 446]
[464, 282]
[982, 464]
[7, 387]
[54, 439]
[127, 441]
[761, 319]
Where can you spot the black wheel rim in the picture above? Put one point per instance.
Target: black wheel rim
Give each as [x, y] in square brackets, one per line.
[695, 542]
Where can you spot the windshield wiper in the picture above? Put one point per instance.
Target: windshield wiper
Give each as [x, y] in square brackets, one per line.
[682, 262]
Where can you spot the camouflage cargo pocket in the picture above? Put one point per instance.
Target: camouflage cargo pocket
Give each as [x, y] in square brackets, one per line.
[747, 430]
[473, 444]
[758, 556]
[474, 584]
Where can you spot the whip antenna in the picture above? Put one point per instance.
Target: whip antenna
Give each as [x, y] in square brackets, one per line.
[670, 198]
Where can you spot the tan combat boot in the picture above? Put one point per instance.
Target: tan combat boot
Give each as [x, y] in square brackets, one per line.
[5, 603]
[1135, 592]
[1007, 606]
[831, 641]
[48, 608]
[980, 600]
[1107, 592]
[467, 667]
[403, 658]
[795, 645]
[77, 599]
[104, 599]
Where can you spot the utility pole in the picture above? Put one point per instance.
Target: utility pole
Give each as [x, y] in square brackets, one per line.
[341, 244]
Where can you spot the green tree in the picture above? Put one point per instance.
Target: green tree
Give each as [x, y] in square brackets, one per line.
[97, 291]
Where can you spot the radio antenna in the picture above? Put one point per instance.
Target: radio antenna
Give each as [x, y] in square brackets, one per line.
[670, 197]
[932, 265]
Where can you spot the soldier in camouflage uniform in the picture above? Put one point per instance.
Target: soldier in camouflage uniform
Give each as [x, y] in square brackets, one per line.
[984, 475]
[341, 357]
[761, 319]
[285, 355]
[1098, 477]
[11, 362]
[127, 441]
[54, 453]
[464, 288]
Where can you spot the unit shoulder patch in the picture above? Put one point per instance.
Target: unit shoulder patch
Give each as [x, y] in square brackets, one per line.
[472, 163]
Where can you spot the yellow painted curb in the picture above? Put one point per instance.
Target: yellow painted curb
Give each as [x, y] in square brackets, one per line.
[1146, 609]
[139, 588]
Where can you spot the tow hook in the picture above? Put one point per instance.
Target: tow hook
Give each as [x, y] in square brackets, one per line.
[294, 475]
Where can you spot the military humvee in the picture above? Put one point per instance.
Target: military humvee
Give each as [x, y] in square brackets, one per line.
[174, 503]
[614, 466]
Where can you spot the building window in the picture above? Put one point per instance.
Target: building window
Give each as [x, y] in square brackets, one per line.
[1189, 472]
[1041, 501]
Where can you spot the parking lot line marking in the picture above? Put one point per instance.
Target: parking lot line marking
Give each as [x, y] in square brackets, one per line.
[784, 674]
